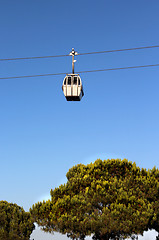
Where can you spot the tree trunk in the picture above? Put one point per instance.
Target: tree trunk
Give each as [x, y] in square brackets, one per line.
[105, 237]
[98, 236]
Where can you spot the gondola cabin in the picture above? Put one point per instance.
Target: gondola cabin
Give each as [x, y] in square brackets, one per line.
[72, 87]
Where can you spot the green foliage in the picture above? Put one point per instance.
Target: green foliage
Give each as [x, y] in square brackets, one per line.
[15, 223]
[110, 198]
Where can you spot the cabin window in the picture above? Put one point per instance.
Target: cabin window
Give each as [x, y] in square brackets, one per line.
[75, 81]
[69, 81]
[79, 82]
[65, 82]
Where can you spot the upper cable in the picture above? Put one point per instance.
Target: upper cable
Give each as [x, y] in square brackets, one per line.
[88, 53]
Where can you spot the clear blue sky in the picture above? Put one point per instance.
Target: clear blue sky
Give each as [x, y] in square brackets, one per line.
[41, 134]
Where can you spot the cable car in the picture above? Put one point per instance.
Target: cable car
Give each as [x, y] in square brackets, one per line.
[72, 85]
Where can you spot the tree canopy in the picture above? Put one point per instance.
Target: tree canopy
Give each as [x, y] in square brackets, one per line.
[110, 198]
[15, 223]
